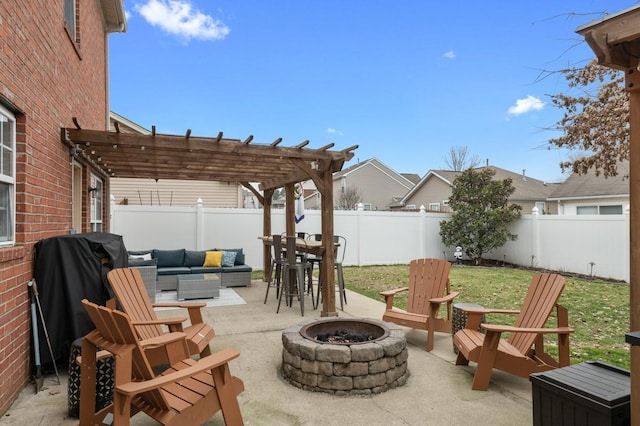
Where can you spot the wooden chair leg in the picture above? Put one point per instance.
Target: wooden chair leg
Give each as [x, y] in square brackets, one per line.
[226, 395]
[461, 359]
[486, 361]
[88, 384]
[431, 329]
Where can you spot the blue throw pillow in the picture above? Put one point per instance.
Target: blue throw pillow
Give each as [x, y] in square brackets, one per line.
[228, 258]
[239, 256]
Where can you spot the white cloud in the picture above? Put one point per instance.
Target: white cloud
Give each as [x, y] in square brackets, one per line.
[334, 132]
[179, 18]
[449, 55]
[525, 105]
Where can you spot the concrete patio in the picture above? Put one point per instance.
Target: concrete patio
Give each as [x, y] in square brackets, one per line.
[436, 393]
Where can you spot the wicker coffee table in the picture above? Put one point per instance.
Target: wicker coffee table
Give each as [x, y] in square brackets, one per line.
[198, 286]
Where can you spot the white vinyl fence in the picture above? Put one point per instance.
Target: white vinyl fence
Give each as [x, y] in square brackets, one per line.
[589, 245]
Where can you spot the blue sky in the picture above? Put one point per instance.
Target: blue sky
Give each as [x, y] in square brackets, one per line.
[404, 80]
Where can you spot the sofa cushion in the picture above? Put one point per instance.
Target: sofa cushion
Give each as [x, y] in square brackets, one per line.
[140, 252]
[174, 270]
[239, 256]
[240, 268]
[167, 258]
[213, 258]
[193, 258]
[135, 261]
[228, 258]
[205, 270]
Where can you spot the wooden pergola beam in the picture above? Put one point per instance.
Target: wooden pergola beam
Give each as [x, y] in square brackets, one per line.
[188, 157]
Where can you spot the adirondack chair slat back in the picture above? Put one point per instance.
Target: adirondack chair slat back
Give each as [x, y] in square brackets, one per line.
[428, 278]
[543, 294]
[128, 286]
[119, 335]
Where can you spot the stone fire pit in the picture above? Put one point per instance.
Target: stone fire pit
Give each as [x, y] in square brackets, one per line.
[362, 368]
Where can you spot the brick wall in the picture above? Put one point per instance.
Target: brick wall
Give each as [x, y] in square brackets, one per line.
[46, 78]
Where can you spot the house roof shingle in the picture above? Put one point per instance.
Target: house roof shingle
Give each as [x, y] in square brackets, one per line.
[526, 188]
[592, 186]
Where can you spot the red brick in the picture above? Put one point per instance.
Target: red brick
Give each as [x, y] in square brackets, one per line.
[42, 75]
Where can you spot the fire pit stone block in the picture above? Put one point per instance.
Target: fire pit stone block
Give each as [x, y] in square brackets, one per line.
[346, 368]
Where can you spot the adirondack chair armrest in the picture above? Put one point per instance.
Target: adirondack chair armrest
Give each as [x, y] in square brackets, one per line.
[393, 292]
[161, 321]
[163, 339]
[511, 329]
[100, 355]
[389, 294]
[448, 298]
[180, 305]
[206, 363]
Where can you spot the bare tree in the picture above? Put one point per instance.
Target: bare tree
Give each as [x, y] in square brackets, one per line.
[596, 120]
[459, 159]
[348, 198]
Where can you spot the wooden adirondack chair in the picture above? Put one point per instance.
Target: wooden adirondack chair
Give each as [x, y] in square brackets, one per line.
[128, 286]
[428, 289]
[187, 393]
[523, 352]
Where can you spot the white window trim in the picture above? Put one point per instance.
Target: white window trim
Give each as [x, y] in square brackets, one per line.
[598, 207]
[11, 180]
[95, 196]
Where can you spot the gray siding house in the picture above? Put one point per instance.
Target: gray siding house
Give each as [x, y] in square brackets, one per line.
[378, 185]
[434, 189]
[591, 194]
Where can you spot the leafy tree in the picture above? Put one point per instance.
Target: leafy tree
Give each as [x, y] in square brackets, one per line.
[459, 159]
[596, 119]
[481, 213]
[348, 199]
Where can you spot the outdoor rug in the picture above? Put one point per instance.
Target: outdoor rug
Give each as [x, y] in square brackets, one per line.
[228, 297]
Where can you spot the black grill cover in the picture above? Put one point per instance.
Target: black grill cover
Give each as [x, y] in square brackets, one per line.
[70, 268]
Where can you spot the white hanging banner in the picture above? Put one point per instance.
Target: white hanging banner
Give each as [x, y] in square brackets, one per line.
[299, 202]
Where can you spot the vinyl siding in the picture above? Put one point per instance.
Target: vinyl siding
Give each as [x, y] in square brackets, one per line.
[165, 192]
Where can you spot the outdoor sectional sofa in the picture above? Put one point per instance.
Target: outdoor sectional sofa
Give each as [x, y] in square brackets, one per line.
[171, 263]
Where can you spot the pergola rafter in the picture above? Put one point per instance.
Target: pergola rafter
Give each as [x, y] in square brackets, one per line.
[189, 157]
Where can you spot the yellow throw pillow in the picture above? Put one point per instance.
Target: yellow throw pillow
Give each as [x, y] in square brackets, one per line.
[213, 258]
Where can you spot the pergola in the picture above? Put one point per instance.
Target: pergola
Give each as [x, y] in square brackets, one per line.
[187, 157]
[615, 40]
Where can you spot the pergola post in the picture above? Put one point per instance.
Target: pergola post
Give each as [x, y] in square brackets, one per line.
[266, 230]
[633, 87]
[615, 40]
[328, 259]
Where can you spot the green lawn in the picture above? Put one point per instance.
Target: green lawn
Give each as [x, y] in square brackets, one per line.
[598, 310]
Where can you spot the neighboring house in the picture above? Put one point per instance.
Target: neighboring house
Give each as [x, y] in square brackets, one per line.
[377, 184]
[434, 189]
[53, 68]
[170, 192]
[591, 194]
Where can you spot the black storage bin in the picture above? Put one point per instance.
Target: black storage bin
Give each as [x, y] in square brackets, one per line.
[588, 394]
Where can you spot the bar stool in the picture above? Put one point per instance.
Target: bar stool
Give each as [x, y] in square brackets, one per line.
[295, 268]
[314, 260]
[277, 262]
[340, 245]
